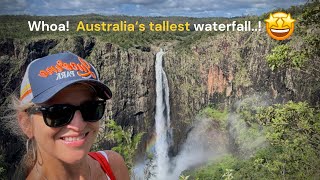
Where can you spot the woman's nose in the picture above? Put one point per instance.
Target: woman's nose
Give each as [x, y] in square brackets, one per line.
[77, 123]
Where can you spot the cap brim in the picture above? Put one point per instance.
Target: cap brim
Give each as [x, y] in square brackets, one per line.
[102, 90]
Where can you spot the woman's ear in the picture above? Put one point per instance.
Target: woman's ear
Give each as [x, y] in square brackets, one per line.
[25, 123]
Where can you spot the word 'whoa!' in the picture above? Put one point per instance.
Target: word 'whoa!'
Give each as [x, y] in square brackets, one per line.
[43, 26]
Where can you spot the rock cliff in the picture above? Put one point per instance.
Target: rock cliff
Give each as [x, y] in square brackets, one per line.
[225, 68]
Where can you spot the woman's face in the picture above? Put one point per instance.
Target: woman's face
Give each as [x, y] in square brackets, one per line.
[71, 142]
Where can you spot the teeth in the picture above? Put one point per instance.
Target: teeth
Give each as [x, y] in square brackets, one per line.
[71, 139]
[279, 30]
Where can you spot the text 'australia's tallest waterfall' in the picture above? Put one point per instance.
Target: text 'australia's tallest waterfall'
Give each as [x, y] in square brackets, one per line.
[162, 120]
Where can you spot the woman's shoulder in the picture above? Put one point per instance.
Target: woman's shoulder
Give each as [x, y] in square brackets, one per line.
[118, 165]
[113, 155]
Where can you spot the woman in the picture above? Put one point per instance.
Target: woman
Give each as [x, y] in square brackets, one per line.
[61, 103]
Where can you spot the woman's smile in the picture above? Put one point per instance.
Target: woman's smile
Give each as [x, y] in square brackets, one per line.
[75, 140]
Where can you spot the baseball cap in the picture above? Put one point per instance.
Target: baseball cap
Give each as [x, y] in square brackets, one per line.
[48, 75]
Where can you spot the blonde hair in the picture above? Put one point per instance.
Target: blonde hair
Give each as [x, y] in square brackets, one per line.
[10, 121]
[11, 117]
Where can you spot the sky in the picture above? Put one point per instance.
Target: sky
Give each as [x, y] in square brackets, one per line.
[191, 8]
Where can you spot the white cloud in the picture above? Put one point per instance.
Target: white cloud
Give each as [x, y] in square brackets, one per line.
[144, 7]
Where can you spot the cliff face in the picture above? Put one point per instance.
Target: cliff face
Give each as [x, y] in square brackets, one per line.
[218, 70]
[225, 68]
[130, 75]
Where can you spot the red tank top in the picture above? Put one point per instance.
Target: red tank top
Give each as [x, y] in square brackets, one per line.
[103, 163]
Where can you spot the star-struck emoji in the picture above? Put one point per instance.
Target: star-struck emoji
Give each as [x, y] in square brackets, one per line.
[280, 25]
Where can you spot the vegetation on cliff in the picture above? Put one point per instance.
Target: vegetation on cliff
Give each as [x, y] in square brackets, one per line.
[277, 141]
[290, 149]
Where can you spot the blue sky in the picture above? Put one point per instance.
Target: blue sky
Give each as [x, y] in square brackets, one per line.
[194, 8]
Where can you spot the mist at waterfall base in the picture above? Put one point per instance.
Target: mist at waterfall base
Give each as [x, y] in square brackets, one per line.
[198, 149]
[207, 142]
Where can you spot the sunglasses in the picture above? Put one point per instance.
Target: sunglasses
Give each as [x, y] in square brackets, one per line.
[58, 115]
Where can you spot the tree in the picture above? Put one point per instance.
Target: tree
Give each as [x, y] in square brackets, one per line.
[293, 130]
[126, 143]
[283, 56]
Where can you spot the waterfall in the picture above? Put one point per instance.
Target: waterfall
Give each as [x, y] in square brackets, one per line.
[193, 152]
[162, 121]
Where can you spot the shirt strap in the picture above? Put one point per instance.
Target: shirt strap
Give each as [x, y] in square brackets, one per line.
[103, 161]
[104, 154]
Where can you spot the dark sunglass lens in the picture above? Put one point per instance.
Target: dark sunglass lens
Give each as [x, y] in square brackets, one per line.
[93, 111]
[58, 115]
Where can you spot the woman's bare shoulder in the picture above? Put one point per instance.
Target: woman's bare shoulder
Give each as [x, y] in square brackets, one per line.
[118, 166]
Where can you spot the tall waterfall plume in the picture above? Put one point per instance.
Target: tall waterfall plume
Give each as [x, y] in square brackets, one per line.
[162, 121]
